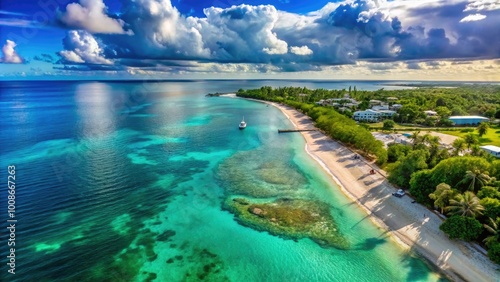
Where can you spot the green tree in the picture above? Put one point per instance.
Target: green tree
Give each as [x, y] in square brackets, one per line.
[466, 204]
[420, 187]
[443, 195]
[488, 192]
[476, 178]
[396, 151]
[482, 129]
[489, 113]
[400, 172]
[462, 227]
[471, 139]
[388, 124]
[443, 112]
[491, 207]
[494, 252]
[497, 114]
[458, 146]
[452, 171]
[416, 138]
[440, 103]
[492, 228]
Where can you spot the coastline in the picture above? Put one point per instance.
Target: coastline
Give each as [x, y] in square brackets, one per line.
[411, 225]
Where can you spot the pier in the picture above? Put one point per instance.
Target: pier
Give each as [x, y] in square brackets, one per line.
[294, 130]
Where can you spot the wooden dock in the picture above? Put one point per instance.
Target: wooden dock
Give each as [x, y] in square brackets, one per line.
[294, 130]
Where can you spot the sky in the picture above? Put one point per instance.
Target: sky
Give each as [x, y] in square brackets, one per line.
[250, 39]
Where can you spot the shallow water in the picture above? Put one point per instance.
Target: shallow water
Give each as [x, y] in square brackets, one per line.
[125, 182]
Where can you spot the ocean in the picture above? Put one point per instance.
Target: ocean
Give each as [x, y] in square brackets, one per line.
[127, 181]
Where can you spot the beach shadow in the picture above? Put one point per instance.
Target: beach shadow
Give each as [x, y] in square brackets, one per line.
[363, 176]
[370, 244]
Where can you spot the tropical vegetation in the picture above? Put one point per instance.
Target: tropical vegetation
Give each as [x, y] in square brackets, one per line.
[459, 181]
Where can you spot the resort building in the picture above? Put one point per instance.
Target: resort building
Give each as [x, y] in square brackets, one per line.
[493, 150]
[467, 120]
[372, 115]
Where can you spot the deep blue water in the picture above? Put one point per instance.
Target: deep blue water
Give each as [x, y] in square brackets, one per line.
[125, 182]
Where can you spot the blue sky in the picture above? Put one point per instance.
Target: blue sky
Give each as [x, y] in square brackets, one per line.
[354, 39]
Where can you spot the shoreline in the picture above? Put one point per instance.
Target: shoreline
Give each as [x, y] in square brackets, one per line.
[410, 225]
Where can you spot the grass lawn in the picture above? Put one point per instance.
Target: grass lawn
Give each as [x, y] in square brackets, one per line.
[381, 124]
[492, 136]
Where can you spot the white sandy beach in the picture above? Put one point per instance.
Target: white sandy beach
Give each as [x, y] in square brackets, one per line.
[402, 218]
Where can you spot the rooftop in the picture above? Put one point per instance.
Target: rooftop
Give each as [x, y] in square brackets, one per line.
[467, 117]
[492, 148]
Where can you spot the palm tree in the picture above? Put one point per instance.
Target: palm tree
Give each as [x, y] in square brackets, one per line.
[465, 205]
[442, 196]
[476, 177]
[458, 146]
[415, 138]
[493, 229]
[475, 150]
[482, 128]
[471, 139]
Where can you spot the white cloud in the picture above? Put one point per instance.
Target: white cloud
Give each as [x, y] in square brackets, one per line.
[473, 18]
[90, 15]
[162, 31]
[82, 47]
[482, 5]
[242, 32]
[10, 55]
[304, 50]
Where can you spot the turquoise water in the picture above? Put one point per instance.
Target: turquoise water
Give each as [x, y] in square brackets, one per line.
[125, 182]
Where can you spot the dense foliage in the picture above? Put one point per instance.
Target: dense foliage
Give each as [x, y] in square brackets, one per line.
[460, 100]
[462, 227]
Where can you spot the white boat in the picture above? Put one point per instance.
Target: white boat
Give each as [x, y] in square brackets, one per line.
[243, 124]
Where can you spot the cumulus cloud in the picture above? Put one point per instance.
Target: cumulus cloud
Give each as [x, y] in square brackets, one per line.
[243, 32]
[82, 47]
[473, 18]
[340, 33]
[304, 50]
[10, 55]
[91, 15]
[161, 31]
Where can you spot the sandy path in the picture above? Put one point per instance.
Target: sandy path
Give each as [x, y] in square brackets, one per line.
[402, 218]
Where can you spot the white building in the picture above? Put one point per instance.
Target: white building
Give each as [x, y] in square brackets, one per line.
[375, 102]
[368, 115]
[493, 150]
[380, 108]
[372, 115]
[396, 107]
[431, 113]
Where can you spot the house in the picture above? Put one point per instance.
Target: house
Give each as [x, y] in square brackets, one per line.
[387, 113]
[392, 99]
[431, 113]
[467, 120]
[380, 108]
[375, 102]
[493, 150]
[396, 107]
[368, 115]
